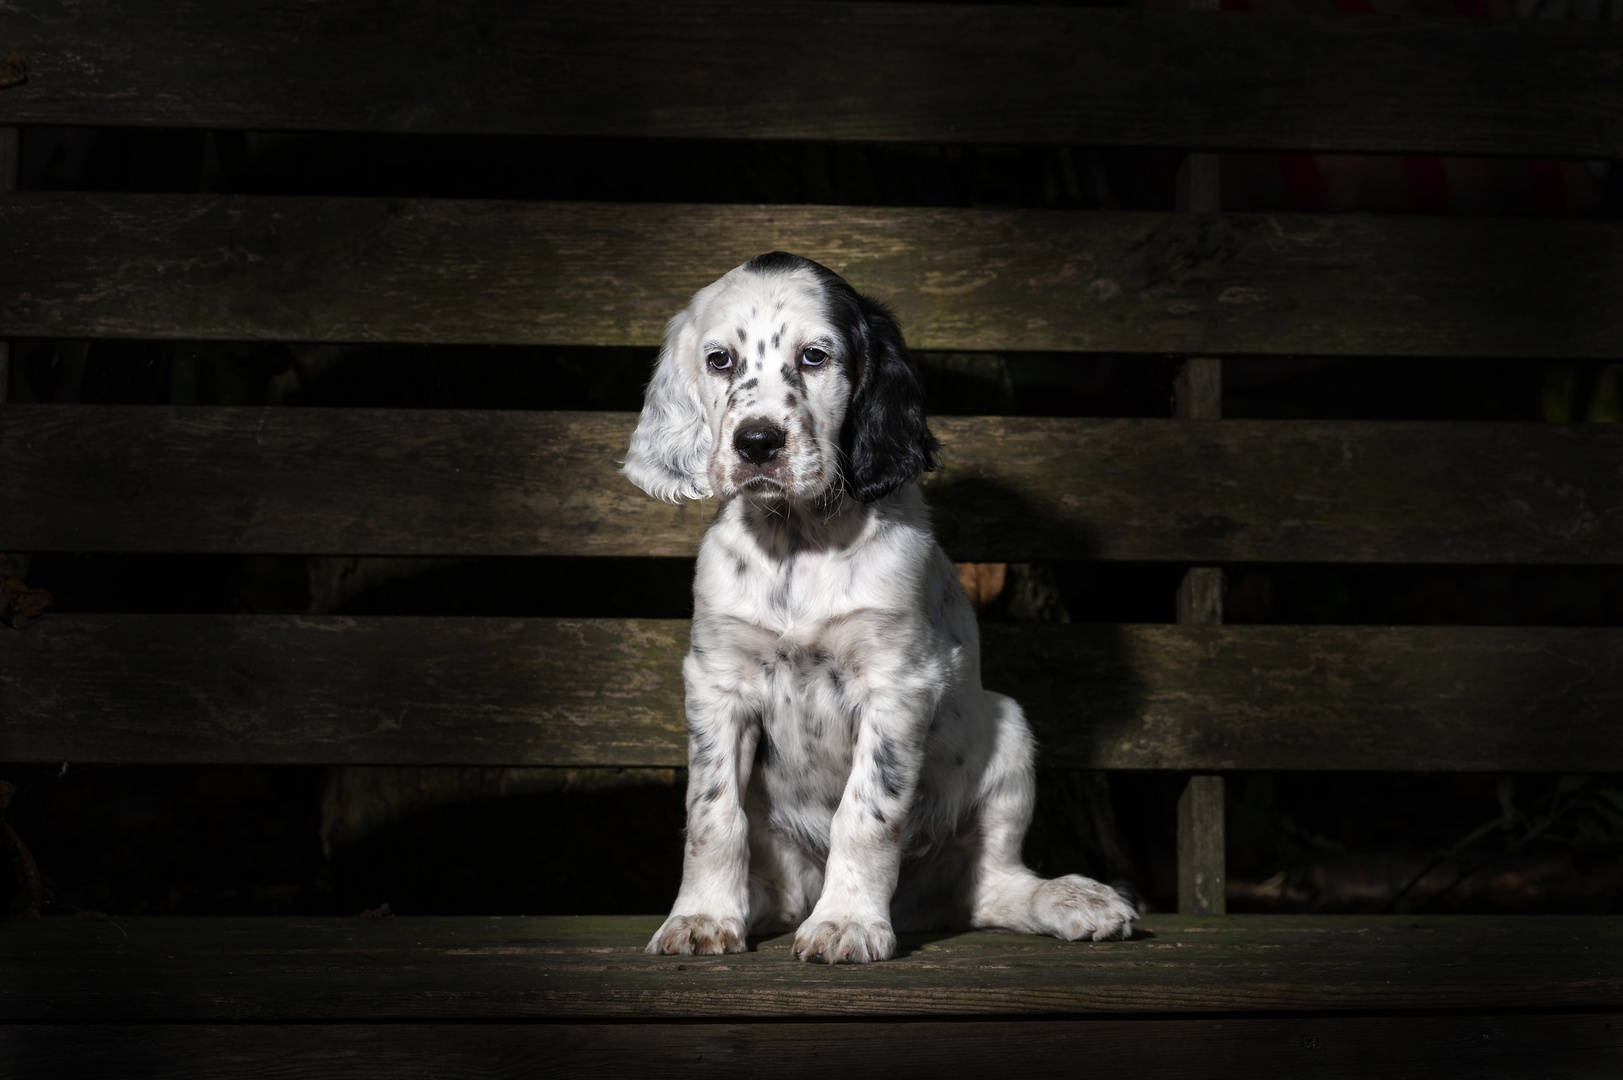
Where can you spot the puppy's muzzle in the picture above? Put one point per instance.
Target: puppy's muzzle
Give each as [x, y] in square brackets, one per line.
[759, 443]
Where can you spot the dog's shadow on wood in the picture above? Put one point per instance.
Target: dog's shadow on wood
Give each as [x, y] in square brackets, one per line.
[1079, 684]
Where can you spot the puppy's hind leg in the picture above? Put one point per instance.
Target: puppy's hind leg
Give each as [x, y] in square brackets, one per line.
[1004, 893]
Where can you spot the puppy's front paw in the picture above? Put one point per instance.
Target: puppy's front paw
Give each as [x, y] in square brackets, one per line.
[697, 935]
[1074, 907]
[844, 940]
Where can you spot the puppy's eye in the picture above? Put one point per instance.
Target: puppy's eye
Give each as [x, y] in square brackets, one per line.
[813, 357]
[719, 360]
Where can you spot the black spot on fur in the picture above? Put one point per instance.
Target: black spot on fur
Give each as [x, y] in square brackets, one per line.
[700, 750]
[878, 813]
[739, 568]
[766, 751]
[713, 794]
[743, 338]
[776, 338]
[760, 349]
[789, 400]
[774, 261]
[890, 766]
[751, 385]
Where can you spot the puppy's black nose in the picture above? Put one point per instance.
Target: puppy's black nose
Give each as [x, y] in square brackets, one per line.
[759, 443]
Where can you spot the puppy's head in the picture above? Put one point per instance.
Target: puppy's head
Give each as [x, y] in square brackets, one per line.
[782, 383]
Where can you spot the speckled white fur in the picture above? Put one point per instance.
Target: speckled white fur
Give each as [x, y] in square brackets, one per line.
[848, 776]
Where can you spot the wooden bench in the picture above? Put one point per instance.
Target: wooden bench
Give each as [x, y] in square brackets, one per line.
[1197, 993]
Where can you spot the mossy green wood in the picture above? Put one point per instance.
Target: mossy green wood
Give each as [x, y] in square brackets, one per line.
[413, 482]
[410, 270]
[932, 73]
[345, 969]
[398, 690]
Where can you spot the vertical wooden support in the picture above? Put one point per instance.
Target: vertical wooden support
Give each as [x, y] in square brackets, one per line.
[1201, 858]
[10, 150]
[1197, 394]
[1200, 847]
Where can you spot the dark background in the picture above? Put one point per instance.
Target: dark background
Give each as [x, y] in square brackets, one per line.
[269, 840]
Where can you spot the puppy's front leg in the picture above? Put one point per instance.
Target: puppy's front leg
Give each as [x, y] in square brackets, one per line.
[712, 907]
[851, 922]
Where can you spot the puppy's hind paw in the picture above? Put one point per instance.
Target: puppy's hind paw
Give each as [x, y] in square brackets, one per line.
[1078, 908]
[697, 935]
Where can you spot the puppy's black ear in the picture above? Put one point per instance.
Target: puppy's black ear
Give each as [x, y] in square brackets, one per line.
[886, 440]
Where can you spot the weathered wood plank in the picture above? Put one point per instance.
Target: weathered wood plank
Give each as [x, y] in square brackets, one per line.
[1202, 856]
[379, 270]
[408, 482]
[203, 970]
[1487, 1046]
[419, 691]
[350, 691]
[893, 72]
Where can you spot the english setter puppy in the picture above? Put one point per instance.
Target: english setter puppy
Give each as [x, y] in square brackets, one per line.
[847, 774]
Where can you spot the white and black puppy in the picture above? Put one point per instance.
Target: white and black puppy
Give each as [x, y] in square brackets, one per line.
[847, 774]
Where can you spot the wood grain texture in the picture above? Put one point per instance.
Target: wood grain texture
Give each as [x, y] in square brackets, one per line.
[407, 270]
[892, 72]
[1485, 1046]
[205, 970]
[427, 691]
[350, 691]
[1197, 390]
[1200, 597]
[407, 482]
[1202, 864]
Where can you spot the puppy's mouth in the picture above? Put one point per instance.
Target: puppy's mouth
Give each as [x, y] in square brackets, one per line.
[758, 478]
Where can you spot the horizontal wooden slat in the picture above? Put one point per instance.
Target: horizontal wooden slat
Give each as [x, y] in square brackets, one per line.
[482, 969]
[404, 482]
[380, 270]
[865, 71]
[296, 690]
[1484, 1046]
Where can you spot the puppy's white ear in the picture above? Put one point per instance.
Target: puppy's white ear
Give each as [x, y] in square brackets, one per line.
[670, 451]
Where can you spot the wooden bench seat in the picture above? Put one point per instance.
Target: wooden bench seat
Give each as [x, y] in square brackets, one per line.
[514, 996]
[518, 968]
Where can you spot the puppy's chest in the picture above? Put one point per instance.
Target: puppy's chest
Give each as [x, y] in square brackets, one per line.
[797, 642]
[808, 727]
[797, 597]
